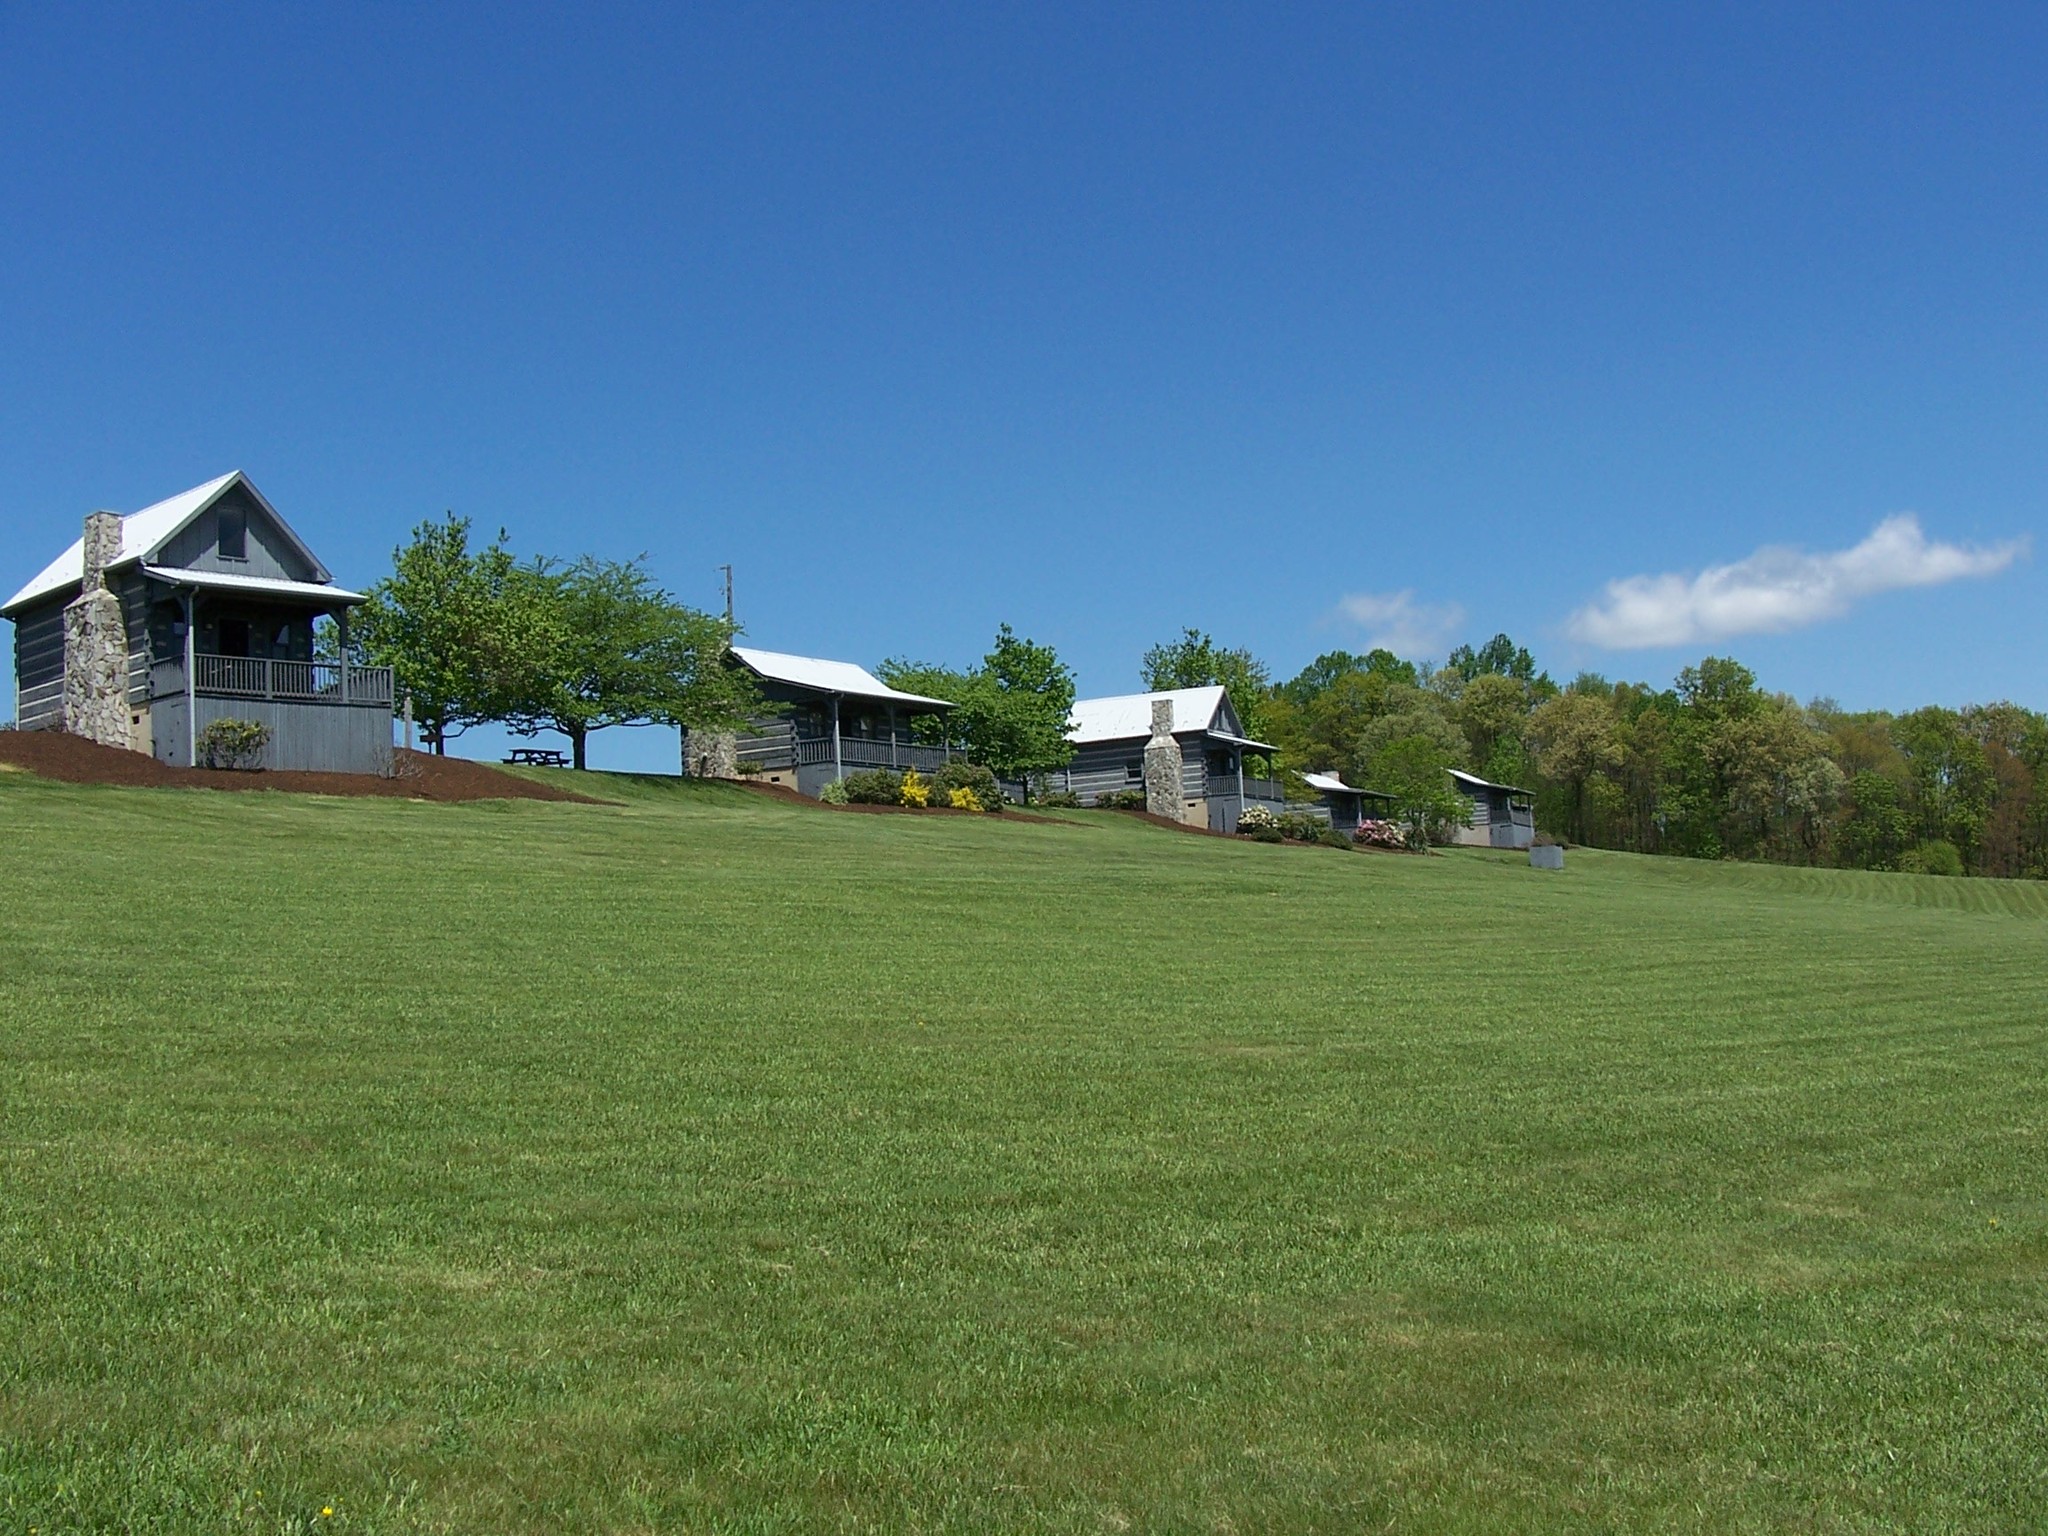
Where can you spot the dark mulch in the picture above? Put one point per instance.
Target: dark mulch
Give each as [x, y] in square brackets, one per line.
[420, 775]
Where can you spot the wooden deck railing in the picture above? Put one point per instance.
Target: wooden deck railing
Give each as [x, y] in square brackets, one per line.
[292, 682]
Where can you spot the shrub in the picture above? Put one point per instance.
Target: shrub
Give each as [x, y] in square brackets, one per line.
[1330, 837]
[968, 776]
[232, 743]
[748, 767]
[834, 793]
[913, 791]
[1380, 834]
[964, 800]
[1267, 834]
[1121, 800]
[877, 786]
[1932, 858]
[1257, 819]
[1061, 799]
[1303, 827]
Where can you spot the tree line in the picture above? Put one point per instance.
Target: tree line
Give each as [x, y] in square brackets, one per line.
[1712, 766]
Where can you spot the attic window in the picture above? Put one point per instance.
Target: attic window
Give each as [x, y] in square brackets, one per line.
[234, 534]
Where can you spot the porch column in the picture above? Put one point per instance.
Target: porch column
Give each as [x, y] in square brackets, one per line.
[838, 763]
[892, 735]
[341, 622]
[1238, 754]
[191, 693]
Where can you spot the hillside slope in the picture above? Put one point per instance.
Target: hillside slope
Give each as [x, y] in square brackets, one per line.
[700, 1161]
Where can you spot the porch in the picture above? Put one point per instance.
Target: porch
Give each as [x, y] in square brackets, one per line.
[267, 678]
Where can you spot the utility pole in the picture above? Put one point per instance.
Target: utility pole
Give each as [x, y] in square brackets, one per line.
[728, 592]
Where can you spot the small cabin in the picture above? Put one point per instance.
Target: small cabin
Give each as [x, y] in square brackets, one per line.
[199, 608]
[1345, 805]
[1109, 736]
[831, 718]
[1501, 816]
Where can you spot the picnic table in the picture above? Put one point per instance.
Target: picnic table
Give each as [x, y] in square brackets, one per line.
[538, 757]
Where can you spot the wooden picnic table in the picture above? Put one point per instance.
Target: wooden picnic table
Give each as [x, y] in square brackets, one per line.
[538, 757]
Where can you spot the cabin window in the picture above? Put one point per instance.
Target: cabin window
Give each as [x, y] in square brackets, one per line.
[1134, 770]
[234, 533]
[234, 637]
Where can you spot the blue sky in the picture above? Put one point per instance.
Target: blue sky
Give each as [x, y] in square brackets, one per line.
[1305, 326]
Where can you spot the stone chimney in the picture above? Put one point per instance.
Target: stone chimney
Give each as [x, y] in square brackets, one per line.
[96, 644]
[1163, 793]
[711, 754]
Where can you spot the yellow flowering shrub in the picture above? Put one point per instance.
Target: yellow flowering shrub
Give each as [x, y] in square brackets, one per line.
[914, 791]
[966, 800]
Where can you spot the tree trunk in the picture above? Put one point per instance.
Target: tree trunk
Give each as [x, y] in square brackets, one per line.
[576, 739]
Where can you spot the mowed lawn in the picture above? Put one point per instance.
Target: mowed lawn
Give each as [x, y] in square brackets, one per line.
[701, 1162]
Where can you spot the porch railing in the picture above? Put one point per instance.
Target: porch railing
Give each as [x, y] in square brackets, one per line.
[867, 752]
[259, 677]
[1254, 789]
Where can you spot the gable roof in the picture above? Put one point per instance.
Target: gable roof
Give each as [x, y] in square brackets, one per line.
[1127, 716]
[145, 533]
[841, 677]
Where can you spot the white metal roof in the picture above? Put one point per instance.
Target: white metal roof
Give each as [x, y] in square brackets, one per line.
[1126, 716]
[227, 581]
[143, 534]
[1477, 782]
[841, 677]
[1331, 783]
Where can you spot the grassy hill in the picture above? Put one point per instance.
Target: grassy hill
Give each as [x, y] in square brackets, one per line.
[704, 1162]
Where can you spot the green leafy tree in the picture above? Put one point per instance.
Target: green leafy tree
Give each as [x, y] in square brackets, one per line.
[628, 654]
[1011, 714]
[1415, 770]
[1874, 831]
[469, 633]
[1578, 741]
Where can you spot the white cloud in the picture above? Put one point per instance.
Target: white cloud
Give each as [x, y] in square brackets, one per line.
[1778, 588]
[1395, 621]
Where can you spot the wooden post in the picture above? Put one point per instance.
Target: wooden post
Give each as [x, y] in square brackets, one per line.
[408, 720]
[341, 621]
[892, 735]
[838, 763]
[191, 692]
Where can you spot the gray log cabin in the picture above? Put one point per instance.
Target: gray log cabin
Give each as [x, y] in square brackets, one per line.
[1109, 737]
[1346, 805]
[1502, 816]
[831, 718]
[196, 609]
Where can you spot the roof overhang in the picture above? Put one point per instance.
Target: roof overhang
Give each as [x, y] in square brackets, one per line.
[1241, 741]
[254, 586]
[1477, 782]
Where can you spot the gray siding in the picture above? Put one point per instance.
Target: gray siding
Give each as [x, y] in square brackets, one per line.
[270, 551]
[321, 738]
[39, 666]
[39, 654]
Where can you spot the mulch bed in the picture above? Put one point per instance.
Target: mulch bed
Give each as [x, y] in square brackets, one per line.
[420, 775]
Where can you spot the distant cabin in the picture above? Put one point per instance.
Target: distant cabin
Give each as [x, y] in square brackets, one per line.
[832, 718]
[217, 598]
[1109, 736]
[1346, 805]
[1501, 816]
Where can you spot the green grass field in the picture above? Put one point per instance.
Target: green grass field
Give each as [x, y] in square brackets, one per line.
[706, 1163]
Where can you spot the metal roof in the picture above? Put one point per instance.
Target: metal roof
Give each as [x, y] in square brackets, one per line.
[1331, 783]
[1478, 783]
[227, 581]
[1126, 716]
[841, 677]
[144, 533]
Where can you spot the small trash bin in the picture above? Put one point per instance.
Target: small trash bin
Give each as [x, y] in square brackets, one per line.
[1546, 858]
